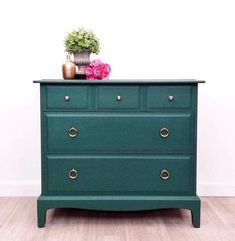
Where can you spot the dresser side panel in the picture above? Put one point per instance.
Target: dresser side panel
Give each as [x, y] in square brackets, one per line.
[195, 105]
[43, 139]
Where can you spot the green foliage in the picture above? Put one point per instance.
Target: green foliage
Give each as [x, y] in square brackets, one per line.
[81, 40]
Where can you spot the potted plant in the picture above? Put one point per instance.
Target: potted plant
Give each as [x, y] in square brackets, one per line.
[81, 43]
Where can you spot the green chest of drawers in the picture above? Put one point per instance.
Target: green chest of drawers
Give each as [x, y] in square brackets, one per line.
[121, 145]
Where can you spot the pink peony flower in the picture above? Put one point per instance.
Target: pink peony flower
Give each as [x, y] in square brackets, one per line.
[97, 70]
[106, 68]
[88, 70]
[96, 62]
[91, 77]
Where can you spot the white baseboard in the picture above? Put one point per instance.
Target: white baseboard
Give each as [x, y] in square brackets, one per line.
[32, 188]
[26, 187]
[216, 189]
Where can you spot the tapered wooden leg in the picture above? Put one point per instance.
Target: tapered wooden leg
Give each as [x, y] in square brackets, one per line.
[195, 213]
[41, 213]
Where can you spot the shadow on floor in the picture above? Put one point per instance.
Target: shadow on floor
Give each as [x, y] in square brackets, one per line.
[70, 215]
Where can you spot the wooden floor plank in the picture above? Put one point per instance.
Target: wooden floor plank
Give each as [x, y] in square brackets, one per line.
[18, 222]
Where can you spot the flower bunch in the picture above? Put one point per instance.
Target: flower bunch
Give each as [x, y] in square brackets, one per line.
[97, 70]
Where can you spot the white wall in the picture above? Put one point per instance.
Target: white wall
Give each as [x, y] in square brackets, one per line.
[140, 39]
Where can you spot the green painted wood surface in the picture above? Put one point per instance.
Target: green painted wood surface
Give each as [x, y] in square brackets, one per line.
[118, 151]
[120, 133]
[119, 81]
[107, 98]
[119, 203]
[157, 96]
[102, 174]
[78, 97]
[104, 97]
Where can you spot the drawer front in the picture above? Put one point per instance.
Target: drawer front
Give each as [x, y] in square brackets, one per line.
[169, 97]
[159, 174]
[122, 133]
[67, 97]
[118, 98]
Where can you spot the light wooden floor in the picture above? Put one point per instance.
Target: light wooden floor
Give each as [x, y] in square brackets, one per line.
[18, 222]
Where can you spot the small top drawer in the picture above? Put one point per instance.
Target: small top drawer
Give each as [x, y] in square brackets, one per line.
[67, 97]
[169, 97]
[118, 98]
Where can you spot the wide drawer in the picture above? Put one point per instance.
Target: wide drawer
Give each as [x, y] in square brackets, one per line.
[67, 97]
[164, 96]
[122, 133]
[118, 98]
[155, 174]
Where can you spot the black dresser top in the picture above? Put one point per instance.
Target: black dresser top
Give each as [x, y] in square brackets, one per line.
[119, 81]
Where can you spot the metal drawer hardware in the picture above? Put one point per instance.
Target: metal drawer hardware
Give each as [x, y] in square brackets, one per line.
[73, 174]
[119, 97]
[164, 132]
[171, 97]
[67, 98]
[165, 174]
[73, 132]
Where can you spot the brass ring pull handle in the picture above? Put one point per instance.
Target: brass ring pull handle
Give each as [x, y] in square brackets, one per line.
[171, 97]
[67, 98]
[73, 132]
[165, 174]
[118, 97]
[73, 174]
[164, 132]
